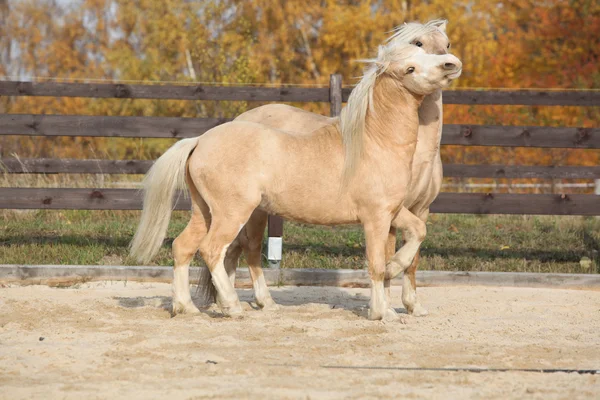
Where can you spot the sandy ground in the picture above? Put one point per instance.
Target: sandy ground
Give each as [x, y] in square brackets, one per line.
[117, 340]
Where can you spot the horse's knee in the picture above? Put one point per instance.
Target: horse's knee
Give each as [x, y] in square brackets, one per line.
[420, 231]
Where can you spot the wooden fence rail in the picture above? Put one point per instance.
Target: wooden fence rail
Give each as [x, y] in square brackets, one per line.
[515, 97]
[79, 125]
[169, 127]
[165, 92]
[468, 203]
[74, 166]
[283, 94]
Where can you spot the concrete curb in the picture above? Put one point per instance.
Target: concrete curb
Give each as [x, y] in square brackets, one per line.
[65, 275]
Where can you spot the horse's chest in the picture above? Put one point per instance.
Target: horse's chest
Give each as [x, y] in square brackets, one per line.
[392, 194]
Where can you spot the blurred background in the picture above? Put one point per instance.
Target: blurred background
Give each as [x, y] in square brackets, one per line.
[503, 44]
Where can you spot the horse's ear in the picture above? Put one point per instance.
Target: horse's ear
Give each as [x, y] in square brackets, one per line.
[442, 25]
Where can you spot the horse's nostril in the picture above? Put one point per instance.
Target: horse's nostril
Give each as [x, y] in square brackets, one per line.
[449, 66]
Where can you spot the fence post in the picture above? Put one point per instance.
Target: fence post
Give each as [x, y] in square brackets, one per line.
[275, 244]
[335, 94]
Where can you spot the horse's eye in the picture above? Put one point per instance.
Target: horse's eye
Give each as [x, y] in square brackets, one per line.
[418, 44]
[410, 70]
[448, 46]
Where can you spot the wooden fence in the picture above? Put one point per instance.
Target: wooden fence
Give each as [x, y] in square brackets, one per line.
[167, 127]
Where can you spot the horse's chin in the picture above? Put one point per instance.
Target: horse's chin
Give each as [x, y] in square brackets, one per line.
[454, 75]
[443, 84]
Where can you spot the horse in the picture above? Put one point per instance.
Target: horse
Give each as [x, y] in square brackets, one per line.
[357, 170]
[426, 169]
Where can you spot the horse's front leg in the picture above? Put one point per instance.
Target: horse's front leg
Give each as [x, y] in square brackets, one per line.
[376, 235]
[409, 290]
[413, 230]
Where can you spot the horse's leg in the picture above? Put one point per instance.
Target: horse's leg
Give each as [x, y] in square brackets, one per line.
[413, 230]
[252, 243]
[206, 289]
[390, 250]
[409, 290]
[409, 282]
[376, 234]
[223, 231]
[232, 258]
[184, 248]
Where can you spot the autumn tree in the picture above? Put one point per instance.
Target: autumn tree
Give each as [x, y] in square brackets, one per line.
[503, 44]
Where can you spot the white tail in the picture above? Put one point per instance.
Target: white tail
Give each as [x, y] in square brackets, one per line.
[162, 180]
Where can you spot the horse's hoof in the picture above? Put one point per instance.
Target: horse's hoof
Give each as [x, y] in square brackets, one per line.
[378, 315]
[233, 312]
[268, 305]
[419, 311]
[184, 308]
[374, 316]
[391, 315]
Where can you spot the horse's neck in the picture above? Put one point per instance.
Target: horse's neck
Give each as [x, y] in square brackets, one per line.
[430, 120]
[393, 119]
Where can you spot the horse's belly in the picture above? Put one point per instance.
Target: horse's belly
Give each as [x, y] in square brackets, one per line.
[310, 208]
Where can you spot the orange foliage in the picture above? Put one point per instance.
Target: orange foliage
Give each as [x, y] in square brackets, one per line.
[503, 44]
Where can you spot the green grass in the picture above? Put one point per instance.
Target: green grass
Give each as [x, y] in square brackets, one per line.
[454, 242]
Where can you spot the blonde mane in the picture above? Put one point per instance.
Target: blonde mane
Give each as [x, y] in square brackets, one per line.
[409, 31]
[352, 120]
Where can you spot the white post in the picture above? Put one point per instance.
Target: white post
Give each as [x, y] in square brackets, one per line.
[275, 243]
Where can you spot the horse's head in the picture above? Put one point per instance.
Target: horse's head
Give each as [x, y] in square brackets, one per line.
[417, 54]
[430, 36]
[420, 73]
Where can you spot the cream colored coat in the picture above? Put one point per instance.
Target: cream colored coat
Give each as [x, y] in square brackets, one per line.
[240, 171]
[427, 171]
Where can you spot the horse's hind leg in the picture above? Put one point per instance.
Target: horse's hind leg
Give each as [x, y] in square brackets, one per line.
[232, 258]
[184, 248]
[251, 240]
[224, 229]
[206, 289]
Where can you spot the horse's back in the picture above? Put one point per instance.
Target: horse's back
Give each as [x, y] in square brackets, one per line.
[287, 118]
[235, 144]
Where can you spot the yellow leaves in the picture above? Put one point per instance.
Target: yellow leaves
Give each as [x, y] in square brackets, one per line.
[502, 44]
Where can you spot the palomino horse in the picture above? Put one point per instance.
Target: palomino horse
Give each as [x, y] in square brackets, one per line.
[426, 169]
[357, 171]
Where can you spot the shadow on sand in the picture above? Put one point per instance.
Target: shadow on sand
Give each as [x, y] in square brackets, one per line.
[286, 296]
